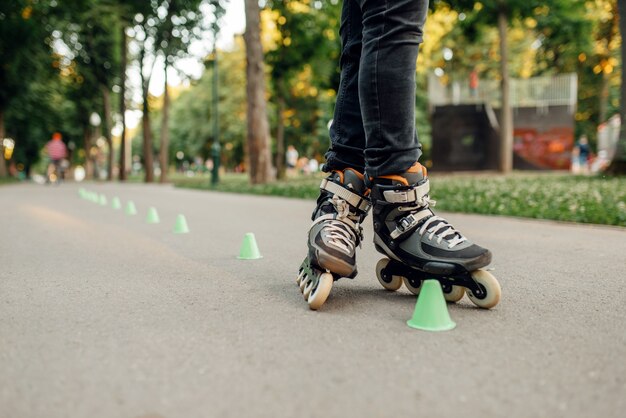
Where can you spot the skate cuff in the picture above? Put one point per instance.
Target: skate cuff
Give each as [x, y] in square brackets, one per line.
[415, 194]
[355, 200]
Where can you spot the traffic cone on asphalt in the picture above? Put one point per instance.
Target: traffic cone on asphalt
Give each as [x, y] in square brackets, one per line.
[116, 204]
[431, 311]
[130, 208]
[249, 249]
[180, 227]
[102, 200]
[153, 216]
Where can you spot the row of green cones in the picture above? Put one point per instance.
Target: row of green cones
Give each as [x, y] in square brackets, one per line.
[180, 225]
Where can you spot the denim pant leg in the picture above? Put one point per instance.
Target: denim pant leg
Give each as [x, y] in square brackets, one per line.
[392, 32]
[346, 131]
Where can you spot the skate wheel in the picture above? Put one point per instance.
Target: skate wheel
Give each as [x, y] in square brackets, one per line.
[396, 281]
[490, 286]
[307, 289]
[303, 282]
[412, 289]
[318, 296]
[454, 295]
[300, 276]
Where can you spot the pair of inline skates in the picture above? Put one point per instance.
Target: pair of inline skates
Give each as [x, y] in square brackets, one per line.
[418, 244]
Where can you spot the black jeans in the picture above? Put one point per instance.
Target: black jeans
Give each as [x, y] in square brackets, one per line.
[373, 128]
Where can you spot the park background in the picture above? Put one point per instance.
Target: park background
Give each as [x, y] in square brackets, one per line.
[175, 91]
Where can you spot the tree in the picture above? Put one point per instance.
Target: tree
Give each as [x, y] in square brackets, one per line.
[258, 126]
[618, 165]
[125, 12]
[23, 53]
[304, 41]
[164, 29]
[174, 35]
[193, 117]
[92, 36]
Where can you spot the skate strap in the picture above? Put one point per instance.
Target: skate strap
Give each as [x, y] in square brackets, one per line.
[409, 222]
[355, 200]
[415, 194]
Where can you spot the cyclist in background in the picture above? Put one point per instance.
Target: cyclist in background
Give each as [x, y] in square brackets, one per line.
[57, 152]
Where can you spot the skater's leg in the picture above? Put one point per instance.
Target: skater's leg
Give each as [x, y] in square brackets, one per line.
[405, 227]
[346, 131]
[392, 32]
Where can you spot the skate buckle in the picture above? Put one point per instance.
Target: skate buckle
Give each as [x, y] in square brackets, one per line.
[407, 223]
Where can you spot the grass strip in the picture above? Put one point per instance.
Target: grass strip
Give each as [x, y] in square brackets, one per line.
[556, 196]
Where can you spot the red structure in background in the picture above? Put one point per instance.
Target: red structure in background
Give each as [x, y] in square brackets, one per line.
[549, 149]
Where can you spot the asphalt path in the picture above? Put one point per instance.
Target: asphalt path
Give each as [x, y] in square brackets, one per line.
[105, 315]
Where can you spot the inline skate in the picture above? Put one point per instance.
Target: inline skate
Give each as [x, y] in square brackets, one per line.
[334, 235]
[421, 245]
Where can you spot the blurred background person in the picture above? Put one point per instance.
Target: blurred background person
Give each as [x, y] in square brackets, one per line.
[57, 152]
[291, 157]
[581, 154]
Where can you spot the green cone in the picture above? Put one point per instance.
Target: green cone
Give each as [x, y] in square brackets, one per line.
[180, 227]
[102, 200]
[249, 250]
[431, 312]
[153, 216]
[130, 208]
[116, 204]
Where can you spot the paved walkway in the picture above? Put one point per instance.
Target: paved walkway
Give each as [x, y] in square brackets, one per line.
[103, 315]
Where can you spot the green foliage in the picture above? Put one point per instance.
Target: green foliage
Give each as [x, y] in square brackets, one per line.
[31, 92]
[41, 109]
[24, 27]
[304, 68]
[191, 118]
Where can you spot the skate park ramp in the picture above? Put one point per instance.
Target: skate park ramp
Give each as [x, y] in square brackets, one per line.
[105, 315]
[466, 138]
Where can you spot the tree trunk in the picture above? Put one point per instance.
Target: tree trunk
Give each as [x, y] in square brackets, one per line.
[89, 165]
[3, 167]
[280, 139]
[258, 126]
[165, 135]
[123, 167]
[506, 123]
[618, 164]
[147, 142]
[106, 98]
[145, 121]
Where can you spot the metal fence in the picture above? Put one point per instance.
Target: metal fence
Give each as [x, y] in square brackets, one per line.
[539, 92]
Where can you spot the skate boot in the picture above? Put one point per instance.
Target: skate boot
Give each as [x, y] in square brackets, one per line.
[334, 235]
[421, 245]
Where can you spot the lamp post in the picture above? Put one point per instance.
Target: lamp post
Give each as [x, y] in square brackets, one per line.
[215, 148]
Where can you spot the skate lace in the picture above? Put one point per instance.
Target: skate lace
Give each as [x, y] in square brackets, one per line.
[340, 231]
[438, 226]
[339, 236]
